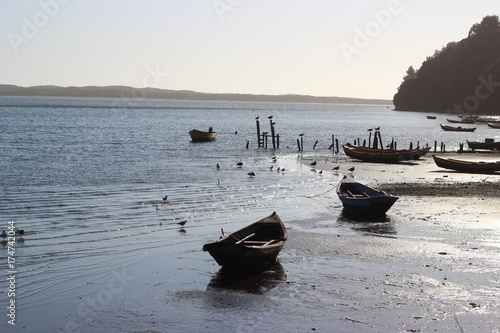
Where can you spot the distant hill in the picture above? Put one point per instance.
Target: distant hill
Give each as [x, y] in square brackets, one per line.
[463, 77]
[153, 93]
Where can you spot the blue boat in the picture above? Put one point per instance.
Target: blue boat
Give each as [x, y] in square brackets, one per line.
[362, 199]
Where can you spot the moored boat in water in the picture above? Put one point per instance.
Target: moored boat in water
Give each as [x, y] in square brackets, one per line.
[467, 166]
[383, 155]
[361, 199]
[200, 136]
[255, 245]
[494, 125]
[457, 129]
[462, 121]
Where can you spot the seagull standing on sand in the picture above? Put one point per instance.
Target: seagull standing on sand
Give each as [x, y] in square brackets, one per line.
[313, 163]
[218, 166]
[182, 223]
[165, 198]
[251, 174]
[240, 164]
[270, 117]
[336, 168]
[257, 118]
[351, 169]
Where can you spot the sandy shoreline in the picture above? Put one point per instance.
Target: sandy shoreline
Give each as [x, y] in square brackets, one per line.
[430, 265]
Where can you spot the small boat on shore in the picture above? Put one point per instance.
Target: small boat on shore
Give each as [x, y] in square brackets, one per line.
[457, 129]
[200, 136]
[461, 121]
[494, 125]
[431, 117]
[255, 245]
[383, 155]
[488, 144]
[467, 166]
[361, 199]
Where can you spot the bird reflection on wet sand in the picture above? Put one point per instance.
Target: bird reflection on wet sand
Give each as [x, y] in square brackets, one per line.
[254, 281]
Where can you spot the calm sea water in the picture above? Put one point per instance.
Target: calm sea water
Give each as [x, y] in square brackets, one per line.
[85, 178]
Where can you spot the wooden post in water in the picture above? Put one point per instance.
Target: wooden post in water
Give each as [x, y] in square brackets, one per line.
[375, 140]
[370, 139]
[272, 133]
[333, 143]
[278, 141]
[301, 143]
[337, 145]
[248, 142]
[411, 145]
[298, 145]
[380, 139]
[435, 145]
[314, 147]
[258, 133]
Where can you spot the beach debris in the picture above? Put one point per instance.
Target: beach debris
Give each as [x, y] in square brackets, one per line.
[443, 253]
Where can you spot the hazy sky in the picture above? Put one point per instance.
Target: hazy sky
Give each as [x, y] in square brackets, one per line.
[315, 47]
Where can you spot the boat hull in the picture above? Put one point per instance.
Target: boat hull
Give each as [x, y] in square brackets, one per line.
[483, 145]
[256, 245]
[383, 155]
[494, 125]
[457, 129]
[361, 199]
[466, 166]
[200, 136]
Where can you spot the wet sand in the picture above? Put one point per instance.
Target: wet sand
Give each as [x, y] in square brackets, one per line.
[431, 265]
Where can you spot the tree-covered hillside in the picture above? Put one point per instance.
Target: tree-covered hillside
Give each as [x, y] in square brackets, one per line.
[463, 77]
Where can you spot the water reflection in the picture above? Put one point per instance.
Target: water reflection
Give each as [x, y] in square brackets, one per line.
[255, 281]
[378, 224]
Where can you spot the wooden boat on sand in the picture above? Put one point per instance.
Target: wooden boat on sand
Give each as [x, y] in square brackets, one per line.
[457, 129]
[466, 166]
[488, 144]
[494, 125]
[431, 117]
[200, 136]
[383, 155]
[255, 245]
[361, 199]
